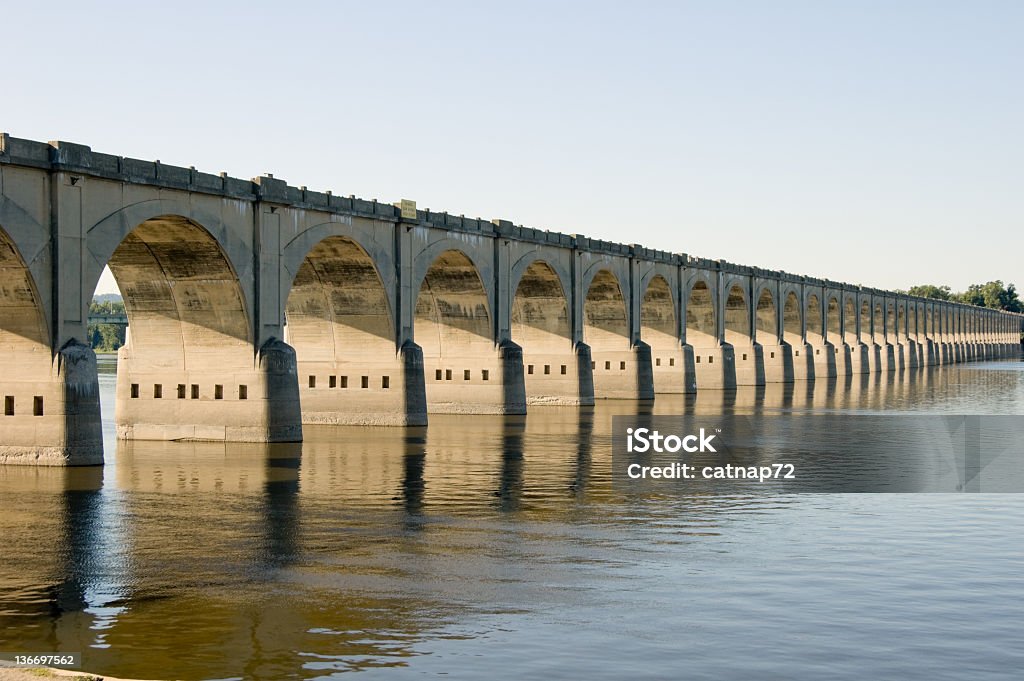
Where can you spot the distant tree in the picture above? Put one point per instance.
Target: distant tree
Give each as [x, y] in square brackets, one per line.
[992, 295]
[931, 291]
[106, 337]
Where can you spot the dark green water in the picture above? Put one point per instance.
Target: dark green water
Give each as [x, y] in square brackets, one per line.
[487, 547]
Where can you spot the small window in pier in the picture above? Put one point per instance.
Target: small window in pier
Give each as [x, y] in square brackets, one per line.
[711, 359]
[312, 381]
[563, 370]
[195, 391]
[657, 362]
[485, 374]
[547, 369]
[744, 357]
[671, 361]
[366, 381]
[529, 369]
[37, 405]
[218, 392]
[243, 392]
[607, 366]
[135, 391]
[158, 391]
[8, 405]
[465, 375]
[447, 374]
[622, 366]
[437, 375]
[773, 355]
[332, 381]
[385, 382]
[817, 352]
[344, 380]
[181, 391]
[698, 359]
[593, 365]
[797, 353]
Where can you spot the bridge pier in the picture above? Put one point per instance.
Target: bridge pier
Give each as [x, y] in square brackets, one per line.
[803, 362]
[670, 371]
[560, 378]
[51, 408]
[825, 358]
[911, 354]
[753, 362]
[715, 368]
[887, 355]
[225, 398]
[476, 383]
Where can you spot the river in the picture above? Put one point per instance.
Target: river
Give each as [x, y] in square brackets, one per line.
[490, 547]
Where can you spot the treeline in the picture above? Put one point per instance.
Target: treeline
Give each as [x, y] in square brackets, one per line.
[106, 337]
[992, 295]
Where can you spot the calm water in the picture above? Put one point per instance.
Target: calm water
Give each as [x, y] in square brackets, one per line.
[497, 547]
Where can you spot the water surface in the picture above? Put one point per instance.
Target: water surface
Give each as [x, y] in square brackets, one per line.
[498, 546]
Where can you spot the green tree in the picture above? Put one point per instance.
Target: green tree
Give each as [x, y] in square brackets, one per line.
[931, 291]
[106, 337]
[993, 295]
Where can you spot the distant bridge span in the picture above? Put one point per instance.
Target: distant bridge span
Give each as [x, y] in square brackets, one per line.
[255, 307]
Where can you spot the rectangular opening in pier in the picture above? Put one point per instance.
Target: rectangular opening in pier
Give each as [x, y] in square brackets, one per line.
[622, 366]
[437, 375]
[385, 382]
[37, 405]
[447, 374]
[547, 369]
[312, 381]
[485, 374]
[366, 381]
[218, 392]
[135, 391]
[466, 375]
[8, 405]
[529, 369]
[332, 381]
[344, 381]
[195, 391]
[181, 391]
[671, 361]
[158, 391]
[563, 370]
[243, 392]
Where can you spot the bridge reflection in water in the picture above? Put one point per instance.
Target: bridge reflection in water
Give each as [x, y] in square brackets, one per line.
[362, 547]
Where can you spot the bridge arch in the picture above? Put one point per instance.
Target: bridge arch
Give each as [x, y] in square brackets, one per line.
[340, 321]
[465, 370]
[767, 318]
[23, 327]
[737, 317]
[792, 320]
[541, 324]
[659, 328]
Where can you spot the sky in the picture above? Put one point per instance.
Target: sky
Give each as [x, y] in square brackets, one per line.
[877, 143]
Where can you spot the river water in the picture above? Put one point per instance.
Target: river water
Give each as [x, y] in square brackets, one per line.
[489, 547]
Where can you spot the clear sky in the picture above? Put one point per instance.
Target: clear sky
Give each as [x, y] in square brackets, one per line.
[872, 142]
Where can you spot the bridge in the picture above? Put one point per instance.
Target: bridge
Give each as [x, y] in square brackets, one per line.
[115, 319]
[255, 307]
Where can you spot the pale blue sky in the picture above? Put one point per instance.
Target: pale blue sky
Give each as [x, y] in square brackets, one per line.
[872, 142]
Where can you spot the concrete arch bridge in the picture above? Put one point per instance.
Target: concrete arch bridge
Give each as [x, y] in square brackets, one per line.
[255, 307]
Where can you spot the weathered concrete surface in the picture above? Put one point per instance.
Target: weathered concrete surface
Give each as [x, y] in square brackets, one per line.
[255, 307]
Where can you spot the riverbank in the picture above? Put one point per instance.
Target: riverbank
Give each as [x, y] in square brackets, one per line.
[37, 673]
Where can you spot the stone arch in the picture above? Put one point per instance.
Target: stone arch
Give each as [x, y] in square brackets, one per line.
[605, 324]
[658, 314]
[452, 312]
[792, 320]
[815, 331]
[471, 254]
[851, 324]
[181, 293]
[833, 320]
[527, 262]
[107, 235]
[737, 317]
[659, 328]
[23, 327]
[701, 322]
[767, 317]
[540, 311]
